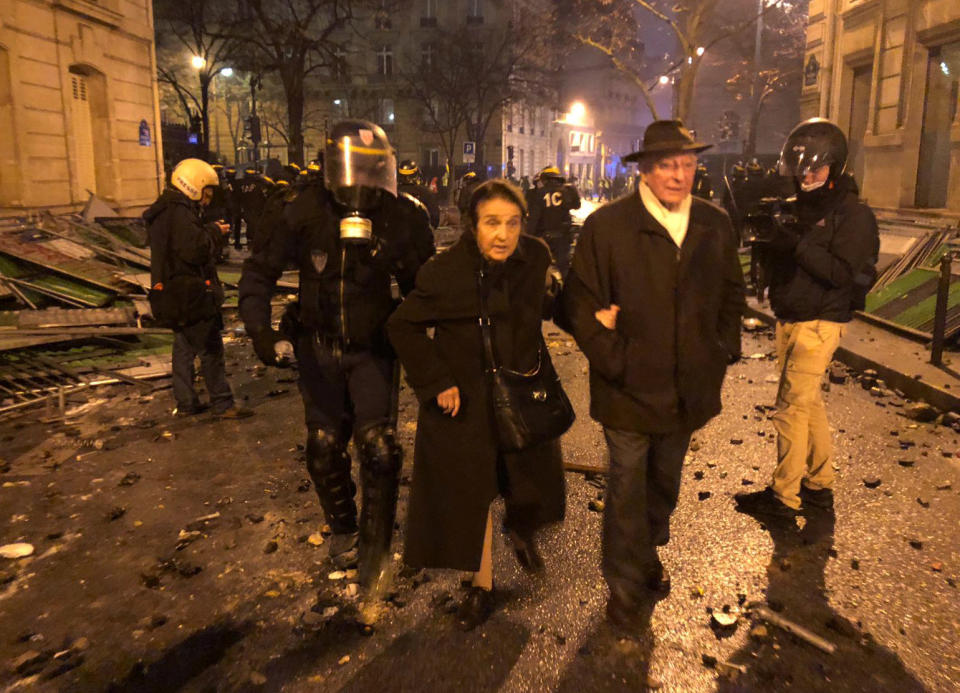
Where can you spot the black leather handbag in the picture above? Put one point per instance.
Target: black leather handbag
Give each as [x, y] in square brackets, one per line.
[529, 408]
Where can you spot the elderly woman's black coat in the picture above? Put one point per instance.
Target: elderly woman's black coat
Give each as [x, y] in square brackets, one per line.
[457, 468]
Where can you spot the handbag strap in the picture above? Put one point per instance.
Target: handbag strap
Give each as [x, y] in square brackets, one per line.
[486, 326]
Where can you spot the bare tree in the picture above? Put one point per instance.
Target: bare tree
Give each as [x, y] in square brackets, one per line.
[192, 49]
[614, 27]
[294, 39]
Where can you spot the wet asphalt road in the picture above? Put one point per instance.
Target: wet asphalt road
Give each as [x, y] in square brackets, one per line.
[245, 603]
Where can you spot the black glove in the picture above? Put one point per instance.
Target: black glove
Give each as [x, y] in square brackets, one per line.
[784, 238]
[264, 343]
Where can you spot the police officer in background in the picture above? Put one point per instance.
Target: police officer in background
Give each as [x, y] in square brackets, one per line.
[702, 187]
[410, 181]
[234, 215]
[550, 204]
[468, 182]
[254, 190]
[349, 239]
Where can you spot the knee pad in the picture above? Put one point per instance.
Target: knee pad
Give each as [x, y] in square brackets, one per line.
[378, 446]
[324, 451]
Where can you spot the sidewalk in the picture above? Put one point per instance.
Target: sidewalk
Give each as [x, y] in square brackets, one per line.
[903, 363]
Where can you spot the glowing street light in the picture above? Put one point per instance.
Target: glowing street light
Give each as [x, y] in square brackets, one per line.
[699, 50]
[227, 72]
[578, 112]
[198, 62]
[664, 79]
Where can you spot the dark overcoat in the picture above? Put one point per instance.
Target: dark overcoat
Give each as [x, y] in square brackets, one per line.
[458, 470]
[661, 369]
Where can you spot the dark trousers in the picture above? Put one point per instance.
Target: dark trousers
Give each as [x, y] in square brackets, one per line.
[642, 490]
[343, 392]
[200, 339]
[559, 242]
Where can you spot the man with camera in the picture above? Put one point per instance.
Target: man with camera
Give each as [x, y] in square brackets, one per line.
[820, 264]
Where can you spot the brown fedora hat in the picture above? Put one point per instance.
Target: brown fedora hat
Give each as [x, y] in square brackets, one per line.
[664, 136]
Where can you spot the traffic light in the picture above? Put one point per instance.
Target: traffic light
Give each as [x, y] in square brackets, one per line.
[253, 128]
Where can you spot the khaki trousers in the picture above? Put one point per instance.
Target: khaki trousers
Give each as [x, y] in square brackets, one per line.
[804, 351]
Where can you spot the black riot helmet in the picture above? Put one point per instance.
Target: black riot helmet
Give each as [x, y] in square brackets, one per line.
[738, 171]
[814, 143]
[754, 169]
[409, 172]
[359, 165]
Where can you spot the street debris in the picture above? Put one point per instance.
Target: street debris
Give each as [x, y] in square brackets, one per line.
[18, 550]
[775, 619]
[920, 411]
[871, 481]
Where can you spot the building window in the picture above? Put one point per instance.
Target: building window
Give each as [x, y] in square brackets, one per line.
[474, 12]
[429, 16]
[339, 68]
[382, 19]
[428, 54]
[387, 114]
[522, 124]
[941, 99]
[385, 60]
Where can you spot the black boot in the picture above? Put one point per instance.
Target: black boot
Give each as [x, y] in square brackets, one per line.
[380, 463]
[329, 467]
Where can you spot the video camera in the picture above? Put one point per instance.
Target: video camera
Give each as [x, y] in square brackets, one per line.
[770, 214]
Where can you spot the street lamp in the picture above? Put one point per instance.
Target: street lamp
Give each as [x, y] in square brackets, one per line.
[577, 112]
[198, 62]
[227, 72]
[664, 79]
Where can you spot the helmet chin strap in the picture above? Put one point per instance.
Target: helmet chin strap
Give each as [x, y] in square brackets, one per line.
[810, 187]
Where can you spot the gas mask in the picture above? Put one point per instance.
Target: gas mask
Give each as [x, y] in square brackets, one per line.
[360, 168]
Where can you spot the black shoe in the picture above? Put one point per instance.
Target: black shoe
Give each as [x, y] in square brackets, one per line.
[818, 498]
[344, 550]
[234, 412]
[527, 555]
[475, 608]
[764, 503]
[190, 411]
[659, 580]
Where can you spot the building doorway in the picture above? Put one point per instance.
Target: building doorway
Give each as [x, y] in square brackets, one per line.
[90, 133]
[939, 113]
[859, 114]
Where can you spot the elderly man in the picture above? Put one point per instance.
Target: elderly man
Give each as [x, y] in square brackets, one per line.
[654, 300]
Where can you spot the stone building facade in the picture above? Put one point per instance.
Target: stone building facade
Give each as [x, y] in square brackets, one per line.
[78, 105]
[888, 73]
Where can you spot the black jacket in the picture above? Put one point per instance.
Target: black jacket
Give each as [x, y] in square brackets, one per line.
[661, 369]
[426, 196]
[834, 261]
[345, 289]
[455, 472]
[183, 252]
[549, 207]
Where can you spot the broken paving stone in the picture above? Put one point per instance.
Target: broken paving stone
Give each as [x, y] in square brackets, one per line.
[759, 632]
[837, 375]
[353, 589]
[17, 550]
[150, 581]
[871, 481]
[855, 564]
[343, 660]
[920, 411]
[254, 518]
[916, 544]
[725, 620]
[944, 486]
[30, 662]
[337, 575]
[746, 482]
[596, 506]
[315, 539]
[698, 475]
[906, 463]
[271, 546]
[129, 479]
[304, 485]
[936, 567]
[116, 513]
[703, 495]
[736, 441]
[924, 503]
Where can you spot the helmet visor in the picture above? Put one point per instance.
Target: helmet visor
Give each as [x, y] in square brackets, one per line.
[799, 158]
[358, 165]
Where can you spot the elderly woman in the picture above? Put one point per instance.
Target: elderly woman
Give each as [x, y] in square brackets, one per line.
[458, 469]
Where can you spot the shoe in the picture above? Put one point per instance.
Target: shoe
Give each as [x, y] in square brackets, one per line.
[344, 550]
[819, 498]
[659, 580]
[190, 411]
[527, 555]
[764, 503]
[475, 608]
[234, 412]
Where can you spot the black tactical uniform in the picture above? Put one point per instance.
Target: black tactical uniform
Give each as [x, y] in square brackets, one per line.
[702, 186]
[346, 367]
[254, 190]
[234, 214]
[550, 204]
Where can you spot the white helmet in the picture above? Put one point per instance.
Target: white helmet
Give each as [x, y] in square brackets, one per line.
[191, 176]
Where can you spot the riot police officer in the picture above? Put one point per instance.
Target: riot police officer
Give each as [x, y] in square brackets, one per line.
[702, 187]
[468, 182]
[234, 214]
[349, 239]
[550, 204]
[410, 180]
[254, 190]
